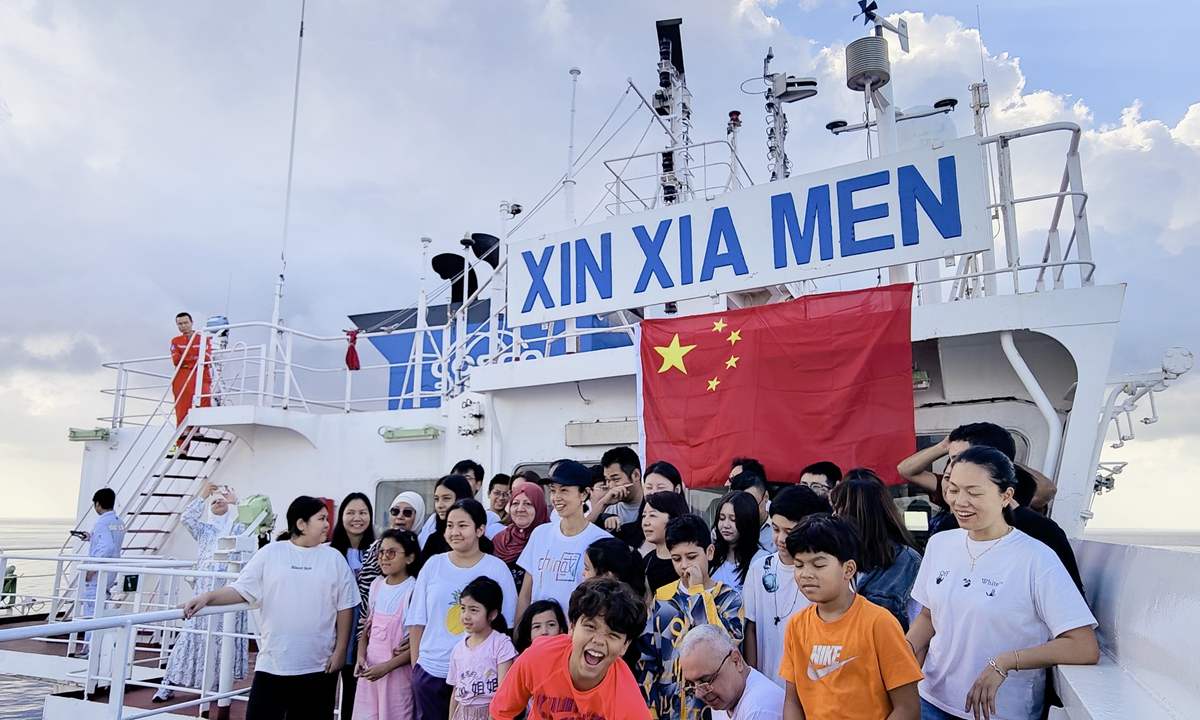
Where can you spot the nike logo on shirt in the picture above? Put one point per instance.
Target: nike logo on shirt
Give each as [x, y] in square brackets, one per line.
[816, 674]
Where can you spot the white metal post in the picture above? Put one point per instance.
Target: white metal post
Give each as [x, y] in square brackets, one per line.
[1083, 238]
[287, 373]
[119, 396]
[201, 345]
[225, 673]
[569, 180]
[116, 688]
[1007, 213]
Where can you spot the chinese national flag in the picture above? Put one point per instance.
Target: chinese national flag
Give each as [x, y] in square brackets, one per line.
[822, 377]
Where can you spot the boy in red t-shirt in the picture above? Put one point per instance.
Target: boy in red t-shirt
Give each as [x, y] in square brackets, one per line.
[577, 675]
[843, 656]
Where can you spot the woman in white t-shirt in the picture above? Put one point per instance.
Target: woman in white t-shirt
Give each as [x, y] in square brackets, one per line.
[998, 606]
[553, 557]
[307, 597]
[434, 618]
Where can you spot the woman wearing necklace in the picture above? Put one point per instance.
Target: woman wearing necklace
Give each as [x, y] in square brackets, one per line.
[998, 606]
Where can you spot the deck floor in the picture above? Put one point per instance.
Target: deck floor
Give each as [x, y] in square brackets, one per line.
[135, 697]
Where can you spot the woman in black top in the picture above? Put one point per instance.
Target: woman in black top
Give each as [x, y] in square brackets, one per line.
[659, 509]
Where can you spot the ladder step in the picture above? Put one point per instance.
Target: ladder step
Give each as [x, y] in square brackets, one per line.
[174, 495]
[157, 532]
[207, 440]
[189, 458]
[177, 477]
[140, 514]
[131, 549]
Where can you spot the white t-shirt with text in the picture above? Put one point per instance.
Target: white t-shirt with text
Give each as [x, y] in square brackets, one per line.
[301, 590]
[554, 562]
[769, 597]
[1018, 596]
[434, 605]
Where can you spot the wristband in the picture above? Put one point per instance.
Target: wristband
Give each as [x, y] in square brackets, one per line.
[997, 669]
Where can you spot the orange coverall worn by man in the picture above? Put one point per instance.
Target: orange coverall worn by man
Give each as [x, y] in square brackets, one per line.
[185, 353]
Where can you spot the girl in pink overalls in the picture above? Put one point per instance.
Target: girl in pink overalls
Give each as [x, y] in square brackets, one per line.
[383, 654]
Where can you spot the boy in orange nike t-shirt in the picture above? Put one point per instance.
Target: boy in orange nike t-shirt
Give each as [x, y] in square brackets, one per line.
[580, 675]
[843, 656]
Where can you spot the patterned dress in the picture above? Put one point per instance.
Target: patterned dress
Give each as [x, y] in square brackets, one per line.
[675, 611]
[186, 666]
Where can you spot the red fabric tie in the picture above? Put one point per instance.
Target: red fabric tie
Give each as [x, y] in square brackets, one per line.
[351, 352]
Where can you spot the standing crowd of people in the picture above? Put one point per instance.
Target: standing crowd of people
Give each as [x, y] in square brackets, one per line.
[598, 593]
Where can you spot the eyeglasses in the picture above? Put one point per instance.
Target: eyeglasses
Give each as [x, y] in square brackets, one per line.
[388, 553]
[704, 687]
[406, 512]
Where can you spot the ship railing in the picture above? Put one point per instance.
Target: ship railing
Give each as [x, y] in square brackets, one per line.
[977, 274]
[718, 171]
[122, 631]
[57, 576]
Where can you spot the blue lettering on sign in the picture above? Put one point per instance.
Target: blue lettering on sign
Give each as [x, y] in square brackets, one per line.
[849, 216]
[586, 266]
[564, 273]
[537, 279]
[685, 250]
[652, 249]
[722, 227]
[914, 189]
[818, 221]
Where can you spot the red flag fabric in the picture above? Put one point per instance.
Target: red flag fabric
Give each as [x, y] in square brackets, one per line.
[352, 362]
[822, 377]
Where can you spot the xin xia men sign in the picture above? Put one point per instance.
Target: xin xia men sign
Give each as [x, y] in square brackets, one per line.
[912, 206]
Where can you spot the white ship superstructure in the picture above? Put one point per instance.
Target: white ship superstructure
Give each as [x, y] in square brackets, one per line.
[526, 354]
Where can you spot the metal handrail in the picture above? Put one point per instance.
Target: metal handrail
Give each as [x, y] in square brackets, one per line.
[48, 630]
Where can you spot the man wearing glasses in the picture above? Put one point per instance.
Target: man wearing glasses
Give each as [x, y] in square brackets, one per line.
[715, 673]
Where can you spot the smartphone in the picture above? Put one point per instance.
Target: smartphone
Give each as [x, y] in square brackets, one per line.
[79, 534]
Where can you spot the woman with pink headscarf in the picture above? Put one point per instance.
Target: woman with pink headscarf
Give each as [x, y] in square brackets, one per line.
[527, 508]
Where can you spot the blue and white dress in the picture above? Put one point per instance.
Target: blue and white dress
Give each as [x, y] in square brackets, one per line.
[186, 665]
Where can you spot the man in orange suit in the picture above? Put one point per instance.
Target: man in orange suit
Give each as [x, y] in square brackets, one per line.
[185, 353]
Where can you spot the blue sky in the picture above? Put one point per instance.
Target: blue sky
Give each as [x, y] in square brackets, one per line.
[1108, 53]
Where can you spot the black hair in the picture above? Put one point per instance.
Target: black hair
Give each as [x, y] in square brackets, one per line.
[302, 508]
[184, 314]
[747, 479]
[862, 473]
[671, 503]
[745, 514]
[987, 434]
[499, 479]
[412, 546]
[999, 468]
[626, 457]
[869, 504]
[341, 538]
[825, 533]
[436, 543]
[667, 470]
[832, 473]
[748, 464]
[623, 610]
[1026, 486]
[530, 476]
[522, 635]
[610, 555]
[105, 498]
[686, 529]
[797, 502]
[462, 466]
[487, 593]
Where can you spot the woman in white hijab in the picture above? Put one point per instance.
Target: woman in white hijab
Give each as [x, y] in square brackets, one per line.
[406, 513]
[209, 516]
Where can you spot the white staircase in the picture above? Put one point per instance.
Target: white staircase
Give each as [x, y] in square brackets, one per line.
[155, 508]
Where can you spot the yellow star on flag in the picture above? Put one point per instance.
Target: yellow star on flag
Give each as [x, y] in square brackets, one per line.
[712, 384]
[672, 355]
[734, 336]
[731, 362]
[719, 325]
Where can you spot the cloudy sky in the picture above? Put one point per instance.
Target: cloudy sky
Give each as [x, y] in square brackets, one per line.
[143, 157]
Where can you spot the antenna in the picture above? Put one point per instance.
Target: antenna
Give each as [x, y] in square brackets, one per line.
[867, 11]
[781, 89]
[673, 101]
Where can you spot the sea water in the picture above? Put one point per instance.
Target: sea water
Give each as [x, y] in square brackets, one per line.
[23, 699]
